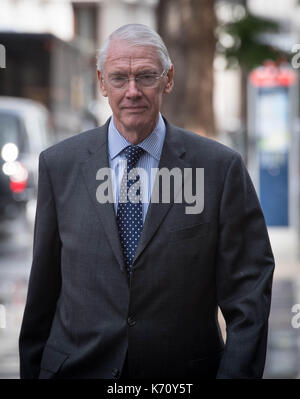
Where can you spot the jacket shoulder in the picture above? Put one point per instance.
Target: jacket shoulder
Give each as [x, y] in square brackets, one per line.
[75, 147]
[202, 147]
[78, 140]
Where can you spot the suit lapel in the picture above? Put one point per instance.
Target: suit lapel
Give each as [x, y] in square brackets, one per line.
[171, 157]
[98, 159]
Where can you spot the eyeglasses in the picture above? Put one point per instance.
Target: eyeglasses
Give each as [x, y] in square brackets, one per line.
[143, 80]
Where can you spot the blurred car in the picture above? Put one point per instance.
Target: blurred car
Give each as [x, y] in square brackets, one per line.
[24, 133]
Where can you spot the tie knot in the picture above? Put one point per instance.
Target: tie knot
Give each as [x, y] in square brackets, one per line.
[132, 154]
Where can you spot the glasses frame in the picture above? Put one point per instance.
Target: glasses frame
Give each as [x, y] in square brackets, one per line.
[136, 79]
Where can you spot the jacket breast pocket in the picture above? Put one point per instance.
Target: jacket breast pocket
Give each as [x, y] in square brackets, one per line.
[184, 233]
[52, 361]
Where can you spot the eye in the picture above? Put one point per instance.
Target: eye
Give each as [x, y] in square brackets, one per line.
[146, 79]
[118, 78]
[146, 76]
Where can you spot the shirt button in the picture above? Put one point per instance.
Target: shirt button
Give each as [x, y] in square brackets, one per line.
[115, 373]
[131, 321]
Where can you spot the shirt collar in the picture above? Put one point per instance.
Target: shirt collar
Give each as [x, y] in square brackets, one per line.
[152, 144]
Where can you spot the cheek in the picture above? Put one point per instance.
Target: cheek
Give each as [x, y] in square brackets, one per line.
[156, 102]
[114, 101]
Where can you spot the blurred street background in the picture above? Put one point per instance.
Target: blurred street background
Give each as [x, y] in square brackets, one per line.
[237, 68]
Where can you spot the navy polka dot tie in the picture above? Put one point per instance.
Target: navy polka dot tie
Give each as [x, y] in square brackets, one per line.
[130, 211]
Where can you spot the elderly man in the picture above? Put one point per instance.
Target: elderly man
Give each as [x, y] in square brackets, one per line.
[123, 288]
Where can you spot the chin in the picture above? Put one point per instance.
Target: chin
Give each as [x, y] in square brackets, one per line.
[134, 122]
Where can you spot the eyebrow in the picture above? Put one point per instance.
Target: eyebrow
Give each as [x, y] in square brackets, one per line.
[147, 72]
[141, 72]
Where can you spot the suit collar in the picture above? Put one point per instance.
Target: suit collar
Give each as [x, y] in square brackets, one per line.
[99, 138]
[173, 137]
[152, 144]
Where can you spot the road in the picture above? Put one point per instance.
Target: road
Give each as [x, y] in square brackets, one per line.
[15, 258]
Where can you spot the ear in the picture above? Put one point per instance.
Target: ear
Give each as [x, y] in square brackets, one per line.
[170, 75]
[101, 85]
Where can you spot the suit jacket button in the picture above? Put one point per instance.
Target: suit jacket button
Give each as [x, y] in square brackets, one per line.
[131, 321]
[115, 373]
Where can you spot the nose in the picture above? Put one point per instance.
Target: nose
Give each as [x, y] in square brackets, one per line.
[132, 90]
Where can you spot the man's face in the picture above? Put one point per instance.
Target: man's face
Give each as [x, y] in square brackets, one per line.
[135, 108]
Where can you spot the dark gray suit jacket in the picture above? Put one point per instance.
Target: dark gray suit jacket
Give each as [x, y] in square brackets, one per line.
[82, 314]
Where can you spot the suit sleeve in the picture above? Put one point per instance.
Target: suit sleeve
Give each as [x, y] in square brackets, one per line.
[244, 273]
[45, 279]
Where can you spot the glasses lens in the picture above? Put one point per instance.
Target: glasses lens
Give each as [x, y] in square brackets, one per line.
[118, 81]
[147, 80]
[142, 80]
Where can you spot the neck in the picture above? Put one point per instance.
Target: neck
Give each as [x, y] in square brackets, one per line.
[137, 134]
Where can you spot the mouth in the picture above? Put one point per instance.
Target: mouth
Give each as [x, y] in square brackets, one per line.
[134, 108]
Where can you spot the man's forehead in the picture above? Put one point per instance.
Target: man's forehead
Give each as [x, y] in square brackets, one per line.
[125, 53]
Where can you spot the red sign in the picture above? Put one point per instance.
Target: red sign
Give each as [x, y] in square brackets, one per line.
[271, 75]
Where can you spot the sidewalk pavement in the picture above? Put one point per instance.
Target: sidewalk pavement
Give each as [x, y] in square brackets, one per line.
[283, 353]
[285, 243]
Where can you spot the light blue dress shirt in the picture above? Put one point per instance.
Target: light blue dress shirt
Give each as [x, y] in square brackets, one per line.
[149, 159]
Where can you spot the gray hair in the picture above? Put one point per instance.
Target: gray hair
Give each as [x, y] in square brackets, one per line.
[137, 35]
